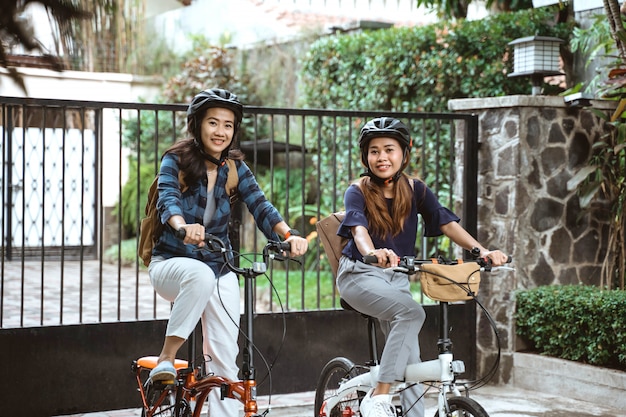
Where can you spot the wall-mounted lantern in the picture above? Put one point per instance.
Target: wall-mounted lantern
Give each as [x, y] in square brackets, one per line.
[536, 57]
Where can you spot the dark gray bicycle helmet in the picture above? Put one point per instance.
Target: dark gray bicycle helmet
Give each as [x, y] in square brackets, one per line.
[384, 127]
[214, 97]
[387, 127]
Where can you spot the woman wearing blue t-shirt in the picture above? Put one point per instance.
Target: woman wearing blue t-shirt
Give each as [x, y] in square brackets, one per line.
[381, 220]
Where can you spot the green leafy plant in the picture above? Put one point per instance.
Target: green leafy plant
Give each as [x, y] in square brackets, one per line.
[574, 322]
[422, 68]
[131, 206]
[124, 253]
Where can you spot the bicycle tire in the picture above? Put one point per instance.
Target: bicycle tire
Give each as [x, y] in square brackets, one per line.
[464, 407]
[335, 371]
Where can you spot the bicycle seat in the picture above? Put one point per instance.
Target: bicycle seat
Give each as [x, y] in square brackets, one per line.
[344, 304]
[149, 362]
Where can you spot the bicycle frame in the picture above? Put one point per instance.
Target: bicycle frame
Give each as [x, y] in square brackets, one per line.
[191, 388]
[442, 370]
[195, 392]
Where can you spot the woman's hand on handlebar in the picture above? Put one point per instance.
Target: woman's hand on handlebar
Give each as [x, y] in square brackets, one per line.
[194, 234]
[386, 257]
[298, 245]
[496, 257]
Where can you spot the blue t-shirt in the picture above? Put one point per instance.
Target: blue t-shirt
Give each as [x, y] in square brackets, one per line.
[425, 203]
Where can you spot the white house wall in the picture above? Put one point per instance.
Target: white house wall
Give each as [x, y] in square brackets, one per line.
[248, 22]
[76, 85]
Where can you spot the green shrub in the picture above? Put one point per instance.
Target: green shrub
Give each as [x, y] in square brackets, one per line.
[422, 68]
[132, 204]
[124, 253]
[574, 322]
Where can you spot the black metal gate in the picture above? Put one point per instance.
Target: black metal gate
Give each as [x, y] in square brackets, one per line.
[71, 170]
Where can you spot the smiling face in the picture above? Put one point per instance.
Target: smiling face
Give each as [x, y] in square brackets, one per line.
[217, 130]
[384, 156]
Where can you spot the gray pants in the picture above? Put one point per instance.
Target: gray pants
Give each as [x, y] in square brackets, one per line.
[387, 296]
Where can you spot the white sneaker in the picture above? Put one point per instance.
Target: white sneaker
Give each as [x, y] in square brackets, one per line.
[377, 406]
[163, 372]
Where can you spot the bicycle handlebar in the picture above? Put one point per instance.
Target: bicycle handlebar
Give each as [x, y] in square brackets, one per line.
[215, 244]
[410, 265]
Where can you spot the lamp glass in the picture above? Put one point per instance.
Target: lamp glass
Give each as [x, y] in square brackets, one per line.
[536, 56]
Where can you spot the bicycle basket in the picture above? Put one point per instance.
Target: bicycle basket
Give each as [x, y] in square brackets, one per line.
[450, 282]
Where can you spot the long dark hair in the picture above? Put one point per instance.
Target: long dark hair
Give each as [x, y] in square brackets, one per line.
[381, 222]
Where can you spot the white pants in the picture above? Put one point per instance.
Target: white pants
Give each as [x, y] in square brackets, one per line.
[196, 293]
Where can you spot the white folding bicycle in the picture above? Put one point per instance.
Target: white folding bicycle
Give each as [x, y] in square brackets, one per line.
[342, 384]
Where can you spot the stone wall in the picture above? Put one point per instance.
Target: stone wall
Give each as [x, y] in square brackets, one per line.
[530, 147]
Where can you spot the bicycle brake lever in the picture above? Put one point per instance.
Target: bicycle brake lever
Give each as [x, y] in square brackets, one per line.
[275, 257]
[397, 269]
[502, 267]
[279, 248]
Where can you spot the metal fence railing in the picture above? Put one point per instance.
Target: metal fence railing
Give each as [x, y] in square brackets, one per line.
[75, 176]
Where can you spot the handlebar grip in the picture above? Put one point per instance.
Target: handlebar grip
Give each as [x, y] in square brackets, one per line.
[180, 233]
[370, 259]
[509, 259]
[284, 246]
[208, 237]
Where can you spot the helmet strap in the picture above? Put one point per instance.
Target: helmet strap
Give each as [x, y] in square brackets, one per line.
[382, 181]
[196, 135]
[206, 155]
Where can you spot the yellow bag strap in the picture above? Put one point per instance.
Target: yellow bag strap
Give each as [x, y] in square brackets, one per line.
[232, 181]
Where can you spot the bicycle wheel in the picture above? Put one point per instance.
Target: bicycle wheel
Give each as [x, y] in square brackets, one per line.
[335, 371]
[464, 407]
[161, 398]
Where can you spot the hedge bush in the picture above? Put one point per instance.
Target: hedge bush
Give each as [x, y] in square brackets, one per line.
[575, 322]
[422, 68]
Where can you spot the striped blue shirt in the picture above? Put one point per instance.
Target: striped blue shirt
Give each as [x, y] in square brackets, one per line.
[191, 205]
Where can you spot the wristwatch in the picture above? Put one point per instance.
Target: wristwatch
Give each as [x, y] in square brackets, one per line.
[291, 232]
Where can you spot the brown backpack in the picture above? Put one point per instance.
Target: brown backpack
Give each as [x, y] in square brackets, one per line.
[151, 226]
[333, 243]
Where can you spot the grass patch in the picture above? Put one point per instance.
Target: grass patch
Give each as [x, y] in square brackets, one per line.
[301, 291]
[295, 289]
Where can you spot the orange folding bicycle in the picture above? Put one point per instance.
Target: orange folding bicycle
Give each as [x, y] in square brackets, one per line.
[185, 396]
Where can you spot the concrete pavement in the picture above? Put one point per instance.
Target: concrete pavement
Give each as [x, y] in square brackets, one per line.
[498, 401]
